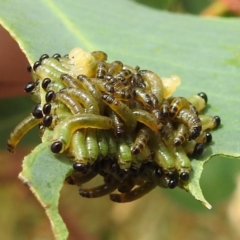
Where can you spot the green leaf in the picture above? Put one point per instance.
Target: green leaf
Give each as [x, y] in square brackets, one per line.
[45, 174]
[193, 186]
[205, 53]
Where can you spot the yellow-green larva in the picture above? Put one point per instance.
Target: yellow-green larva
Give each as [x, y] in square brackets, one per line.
[122, 110]
[148, 119]
[78, 148]
[153, 83]
[20, 130]
[183, 164]
[63, 131]
[142, 137]
[86, 99]
[114, 68]
[124, 154]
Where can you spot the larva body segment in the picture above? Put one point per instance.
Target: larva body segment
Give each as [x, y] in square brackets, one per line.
[63, 131]
[170, 85]
[133, 194]
[99, 191]
[92, 144]
[209, 122]
[153, 83]
[122, 110]
[52, 62]
[84, 98]
[164, 157]
[191, 120]
[124, 154]
[183, 164]
[180, 134]
[45, 71]
[20, 130]
[99, 55]
[198, 102]
[114, 68]
[148, 119]
[177, 104]
[70, 82]
[78, 147]
[141, 140]
[102, 140]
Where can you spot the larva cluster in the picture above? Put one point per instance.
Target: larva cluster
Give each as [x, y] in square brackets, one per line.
[119, 122]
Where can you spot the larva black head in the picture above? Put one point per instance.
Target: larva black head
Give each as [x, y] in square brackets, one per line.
[36, 65]
[45, 83]
[50, 95]
[47, 120]
[184, 176]
[172, 183]
[204, 96]
[29, 87]
[56, 147]
[56, 56]
[37, 111]
[217, 120]
[47, 108]
[208, 137]
[198, 150]
[29, 68]
[70, 180]
[44, 56]
[81, 167]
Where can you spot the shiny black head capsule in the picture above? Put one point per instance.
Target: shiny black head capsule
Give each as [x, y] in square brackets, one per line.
[44, 56]
[29, 87]
[56, 147]
[204, 96]
[36, 65]
[208, 137]
[45, 83]
[56, 56]
[47, 120]
[172, 183]
[81, 167]
[47, 108]
[198, 150]
[50, 95]
[37, 111]
[184, 176]
[217, 120]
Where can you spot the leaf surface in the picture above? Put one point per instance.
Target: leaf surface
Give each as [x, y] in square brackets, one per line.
[204, 52]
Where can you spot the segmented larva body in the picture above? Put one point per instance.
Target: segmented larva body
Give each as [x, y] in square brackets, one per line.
[116, 121]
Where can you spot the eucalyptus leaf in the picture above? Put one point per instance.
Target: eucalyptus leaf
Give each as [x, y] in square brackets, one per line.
[204, 52]
[45, 178]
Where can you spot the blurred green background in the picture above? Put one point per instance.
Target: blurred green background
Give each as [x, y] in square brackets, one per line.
[172, 214]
